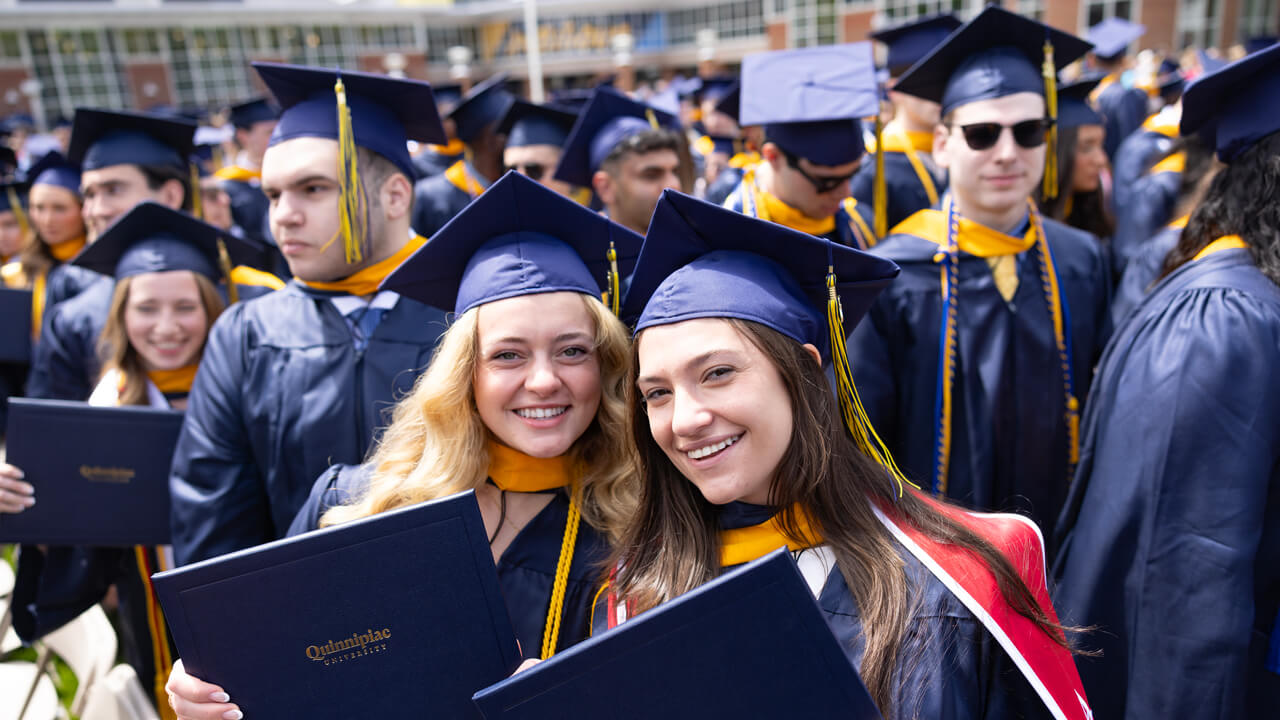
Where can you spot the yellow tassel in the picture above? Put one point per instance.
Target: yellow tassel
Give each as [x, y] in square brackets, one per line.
[24, 225]
[880, 193]
[224, 262]
[614, 293]
[197, 203]
[1051, 141]
[558, 588]
[851, 409]
[351, 204]
[652, 118]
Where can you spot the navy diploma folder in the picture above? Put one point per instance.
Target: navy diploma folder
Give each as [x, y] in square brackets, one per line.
[15, 326]
[101, 474]
[398, 615]
[752, 643]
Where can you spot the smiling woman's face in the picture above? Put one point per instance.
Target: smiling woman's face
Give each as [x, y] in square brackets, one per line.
[537, 378]
[717, 406]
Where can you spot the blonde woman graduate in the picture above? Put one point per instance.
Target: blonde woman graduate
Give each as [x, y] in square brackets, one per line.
[166, 268]
[524, 403]
[744, 448]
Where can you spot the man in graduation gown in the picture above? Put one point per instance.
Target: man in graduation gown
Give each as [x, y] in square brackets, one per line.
[745, 149]
[242, 180]
[627, 152]
[809, 102]
[439, 197]
[535, 135]
[985, 414]
[433, 159]
[912, 180]
[298, 380]
[1143, 148]
[1149, 206]
[1172, 528]
[1123, 107]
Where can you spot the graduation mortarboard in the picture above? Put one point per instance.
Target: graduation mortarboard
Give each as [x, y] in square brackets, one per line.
[1235, 107]
[447, 96]
[517, 238]
[54, 169]
[1074, 108]
[154, 238]
[1112, 36]
[528, 124]
[701, 260]
[102, 138]
[13, 198]
[609, 118]
[810, 100]
[385, 112]
[731, 103]
[482, 107]
[909, 42]
[995, 54]
[1169, 78]
[247, 114]
[1259, 42]
[8, 160]
[573, 98]
[715, 88]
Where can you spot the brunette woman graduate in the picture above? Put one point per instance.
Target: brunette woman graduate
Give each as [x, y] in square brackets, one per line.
[743, 450]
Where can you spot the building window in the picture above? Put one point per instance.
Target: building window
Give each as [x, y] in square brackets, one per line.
[896, 12]
[1098, 10]
[1258, 17]
[1198, 23]
[731, 20]
[83, 69]
[1033, 9]
[813, 22]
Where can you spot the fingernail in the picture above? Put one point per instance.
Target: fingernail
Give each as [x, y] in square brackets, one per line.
[233, 715]
[28, 488]
[29, 501]
[219, 697]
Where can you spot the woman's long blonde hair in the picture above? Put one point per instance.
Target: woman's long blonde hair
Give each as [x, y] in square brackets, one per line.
[117, 353]
[436, 444]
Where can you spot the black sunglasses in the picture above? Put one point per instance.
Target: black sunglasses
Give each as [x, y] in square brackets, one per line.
[1028, 133]
[821, 184]
[534, 171]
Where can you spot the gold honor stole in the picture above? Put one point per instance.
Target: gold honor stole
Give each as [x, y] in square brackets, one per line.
[238, 174]
[366, 281]
[170, 382]
[1226, 242]
[458, 176]
[742, 545]
[911, 143]
[512, 470]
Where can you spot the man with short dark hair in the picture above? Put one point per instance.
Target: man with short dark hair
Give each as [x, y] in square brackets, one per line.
[242, 179]
[627, 152]
[1123, 108]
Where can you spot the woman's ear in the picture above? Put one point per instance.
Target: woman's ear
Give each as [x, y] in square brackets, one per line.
[813, 353]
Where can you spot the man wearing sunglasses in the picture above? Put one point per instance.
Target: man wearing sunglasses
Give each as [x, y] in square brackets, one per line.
[976, 361]
[808, 102]
[535, 134]
[627, 152]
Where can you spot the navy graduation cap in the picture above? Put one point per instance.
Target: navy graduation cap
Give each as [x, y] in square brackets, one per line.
[517, 238]
[102, 138]
[609, 118]
[1236, 106]
[1074, 108]
[385, 112]
[154, 238]
[909, 42]
[447, 96]
[13, 198]
[700, 260]
[8, 159]
[482, 107]
[247, 114]
[1112, 36]
[731, 103]
[809, 100]
[716, 87]
[53, 169]
[528, 124]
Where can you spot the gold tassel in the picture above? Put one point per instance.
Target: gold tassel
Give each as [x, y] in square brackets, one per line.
[224, 262]
[197, 203]
[24, 225]
[351, 210]
[1051, 141]
[652, 118]
[880, 196]
[614, 293]
[851, 409]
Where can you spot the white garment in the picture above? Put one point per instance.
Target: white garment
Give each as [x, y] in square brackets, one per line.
[107, 392]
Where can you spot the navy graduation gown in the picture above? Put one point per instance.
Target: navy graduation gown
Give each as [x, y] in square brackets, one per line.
[720, 188]
[281, 395]
[1142, 272]
[1123, 110]
[249, 206]
[855, 232]
[435, 201]
[429, 163]
[526, 570]
[1009, 435]
[1150, 206]
[1135, 156]
[1172, 527]
[906, 194]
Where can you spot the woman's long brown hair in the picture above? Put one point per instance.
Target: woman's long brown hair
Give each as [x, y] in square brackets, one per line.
[117, 352]
[823, 473]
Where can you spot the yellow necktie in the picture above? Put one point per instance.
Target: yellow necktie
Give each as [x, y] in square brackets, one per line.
[1004, 268]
